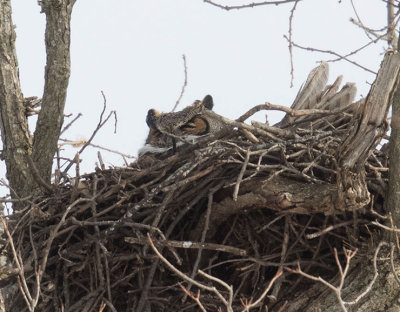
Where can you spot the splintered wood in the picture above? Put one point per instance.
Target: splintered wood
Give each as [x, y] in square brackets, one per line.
[240, 205]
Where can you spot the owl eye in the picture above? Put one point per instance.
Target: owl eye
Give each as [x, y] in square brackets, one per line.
[196, 126]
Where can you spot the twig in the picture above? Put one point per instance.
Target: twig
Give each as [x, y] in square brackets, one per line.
[250, 5]
[372, 282]
[35, 260]
[337, 290]
[100, 158]
[20, 266]
[328, 229]
[124, 155]
[98, 127]
[77, 170]
[284, 250]
[187, 278]
[181, 244]
[184, 84]
[240, 176]
[358, 49]
[204, 233]
[53, 233]
[291, 44]
[110, 305]
[343, 273]
[221, 282]
[195, 298]
[258, 301]
[360, 23]
[391, 229]
[154, 266]
[70, 123]
[341, 57]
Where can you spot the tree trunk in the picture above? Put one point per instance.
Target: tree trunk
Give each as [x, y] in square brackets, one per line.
[382, 297]
[393, 194]
[29, 163]
[57, 72]
[17, 145]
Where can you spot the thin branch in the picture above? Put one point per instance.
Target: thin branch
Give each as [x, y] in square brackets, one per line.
[185, 277]
[240, 176]
[360, 23]
[70, 123]
[98, 127]
[173, 243]
[341, 57]
[328, 229]
[258, 301]
[249, 5]
[18, 261]
[291, 43]
[372, 282]
[53, 233]
[195, 298]
[184, 83]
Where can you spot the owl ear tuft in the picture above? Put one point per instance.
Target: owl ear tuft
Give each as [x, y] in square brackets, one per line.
[208, 102]
[152, 115]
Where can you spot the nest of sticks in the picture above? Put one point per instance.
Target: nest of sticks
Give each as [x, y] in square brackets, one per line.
[173, 230]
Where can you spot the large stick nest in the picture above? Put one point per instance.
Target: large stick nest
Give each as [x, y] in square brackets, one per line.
[250, 200]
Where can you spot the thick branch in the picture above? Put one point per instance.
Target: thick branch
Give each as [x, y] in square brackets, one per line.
[280, 194]
[372, 121]
[57, 72]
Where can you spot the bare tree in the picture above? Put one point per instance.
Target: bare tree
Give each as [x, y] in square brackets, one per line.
[241, 220]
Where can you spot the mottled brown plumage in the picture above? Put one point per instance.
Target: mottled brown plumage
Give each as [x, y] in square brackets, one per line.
[191, 121]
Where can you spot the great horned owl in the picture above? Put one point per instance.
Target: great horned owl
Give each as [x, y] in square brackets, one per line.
[188, 123]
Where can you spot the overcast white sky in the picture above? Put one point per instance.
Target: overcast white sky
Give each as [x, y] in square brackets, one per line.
[132, 50]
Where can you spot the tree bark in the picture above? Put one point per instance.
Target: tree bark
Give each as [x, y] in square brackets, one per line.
[393, 194]
[382, 296]
[29, 164]
[14, 126]
[57, 72]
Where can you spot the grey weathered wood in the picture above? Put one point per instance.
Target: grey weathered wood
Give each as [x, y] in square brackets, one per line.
[372, 123]
[392, 199]
[368, 130]
[342, 98]
[310, 92]
[312, 88]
